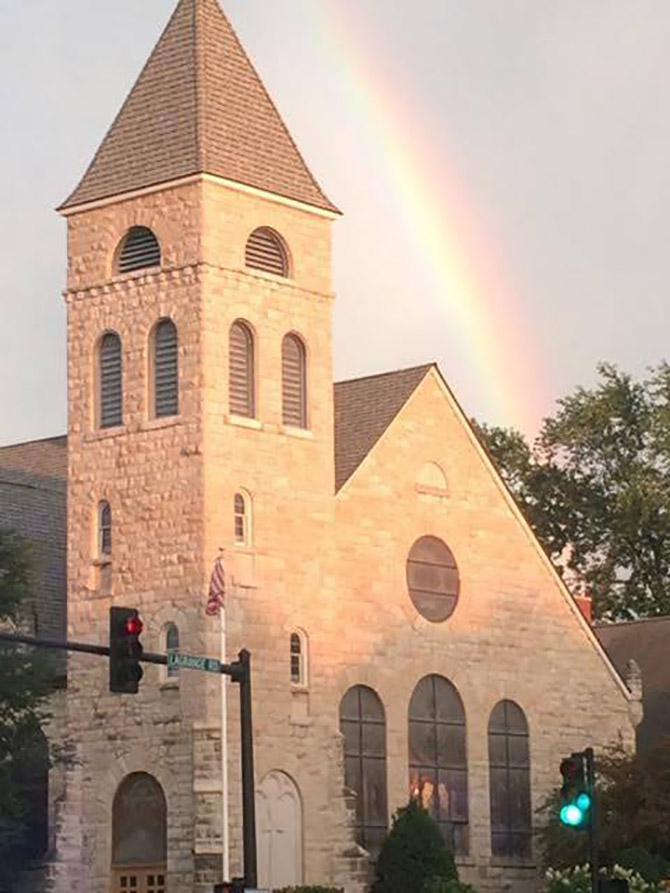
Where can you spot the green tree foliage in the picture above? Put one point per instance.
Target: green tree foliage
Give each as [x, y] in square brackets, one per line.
[413, 853]
[634, 803]
[595, 487]
[24, 685]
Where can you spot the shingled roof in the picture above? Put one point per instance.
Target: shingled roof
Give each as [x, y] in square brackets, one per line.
[198, 106]
[647, 642]
[364, 408]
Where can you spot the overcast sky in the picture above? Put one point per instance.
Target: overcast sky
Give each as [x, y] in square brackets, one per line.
[552, 119]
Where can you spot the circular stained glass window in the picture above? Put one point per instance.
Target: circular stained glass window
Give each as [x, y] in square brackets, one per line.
[432, 579]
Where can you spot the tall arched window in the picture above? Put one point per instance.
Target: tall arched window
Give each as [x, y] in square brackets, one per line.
[110, 381]
[241, 371]
[363, 724]
[438, 767]
[165, 369]
[509, 778]
[298, 651]
[139, 249]
[294, 382]
[242, 519]
[139, 836]
[104, 530]
[266, 251]
[172, 647]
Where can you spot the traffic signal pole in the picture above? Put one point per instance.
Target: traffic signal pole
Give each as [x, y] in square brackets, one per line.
[240, 672]
[594, 820]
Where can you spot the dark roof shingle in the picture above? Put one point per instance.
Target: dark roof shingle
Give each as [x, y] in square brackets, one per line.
[364, 408]
[198, 106]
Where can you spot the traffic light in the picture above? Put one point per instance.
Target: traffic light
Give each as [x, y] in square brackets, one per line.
[125, 669]
[576, 794]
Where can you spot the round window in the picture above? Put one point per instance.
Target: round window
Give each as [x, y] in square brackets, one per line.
[432, 579]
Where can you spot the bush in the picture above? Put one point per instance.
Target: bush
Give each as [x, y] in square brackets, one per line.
[440, 885]
[652, 868]
[310, 889]
[578, 880]
[413, 852]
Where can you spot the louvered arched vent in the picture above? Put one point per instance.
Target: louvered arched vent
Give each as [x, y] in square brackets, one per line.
[266, 251]
[111, 381]
[294, 382]
[241, 371]
[140, 249]
[166, 369]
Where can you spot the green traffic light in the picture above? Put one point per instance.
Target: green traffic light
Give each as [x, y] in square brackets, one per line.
[571, 815]
[583, 801]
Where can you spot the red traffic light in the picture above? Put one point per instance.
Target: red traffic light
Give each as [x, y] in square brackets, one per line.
[134, 626]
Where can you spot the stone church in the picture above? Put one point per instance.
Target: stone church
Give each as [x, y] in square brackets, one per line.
[408, 634]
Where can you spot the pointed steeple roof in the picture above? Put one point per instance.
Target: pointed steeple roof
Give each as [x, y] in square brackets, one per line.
[198, 106]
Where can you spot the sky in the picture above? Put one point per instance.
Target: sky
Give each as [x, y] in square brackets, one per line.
[503, 169]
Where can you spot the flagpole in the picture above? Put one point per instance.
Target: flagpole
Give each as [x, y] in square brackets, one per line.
[225, 836]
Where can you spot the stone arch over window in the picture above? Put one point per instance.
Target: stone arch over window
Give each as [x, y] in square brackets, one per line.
[104, 530]
[267, 251]
[509, 781]
[139, 249]
[241, 384]
[438, 767]
[109, 403]
[279, 832]
[363, 724]
[164, 369]
[294, 381]
[171, 643]
[243, 518]
[432, 579]
[139, 835]
[299, 655]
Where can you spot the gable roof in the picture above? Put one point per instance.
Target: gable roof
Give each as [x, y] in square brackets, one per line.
[198, 106]
[39, 463]
[364, 408]
[647, 642]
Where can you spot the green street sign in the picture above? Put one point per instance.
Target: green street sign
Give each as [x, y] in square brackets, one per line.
[191, 662]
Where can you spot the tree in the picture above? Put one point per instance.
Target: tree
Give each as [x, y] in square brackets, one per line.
[595, 487]
[25, 683]
[413, 853]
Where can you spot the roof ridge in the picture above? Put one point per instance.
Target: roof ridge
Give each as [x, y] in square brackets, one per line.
[608, 625]
[425, 366]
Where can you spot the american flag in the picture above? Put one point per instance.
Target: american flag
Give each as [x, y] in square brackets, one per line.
[217, 589]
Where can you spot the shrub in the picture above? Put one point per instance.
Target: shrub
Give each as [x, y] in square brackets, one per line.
[440, 885]
[413, 852]
[578, 880]
[652, 868]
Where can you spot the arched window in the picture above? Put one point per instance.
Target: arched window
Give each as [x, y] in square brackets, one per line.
[165, 371]
[509, 779]
[432, 579]
[139, 836]
[110, 382]
[266, 251]
[363, 724]
[139, 249]
[104, 530]
[298, 650]
[438, 768]
[294, 382]
[172, 647]
[32, 780]
[241, 367]
[242, 518]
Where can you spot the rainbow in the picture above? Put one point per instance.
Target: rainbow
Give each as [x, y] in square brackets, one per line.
[485, 315]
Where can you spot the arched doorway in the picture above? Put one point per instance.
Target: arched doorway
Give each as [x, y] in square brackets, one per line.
[139, 836]
[279, 818]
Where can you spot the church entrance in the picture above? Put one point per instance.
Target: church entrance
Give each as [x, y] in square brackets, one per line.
[279, 820]
[139, 836]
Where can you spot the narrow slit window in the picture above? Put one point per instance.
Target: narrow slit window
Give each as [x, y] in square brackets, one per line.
[166, 369]
[294, 382]
[509, 782]
[298, 660]
[104, 530]
[241, 520]
[172, 647]
[241, 371]
[110, 395]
